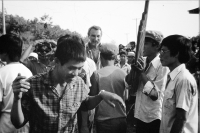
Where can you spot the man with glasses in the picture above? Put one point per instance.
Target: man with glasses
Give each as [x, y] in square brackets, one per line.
[180, 102]
[153, 77]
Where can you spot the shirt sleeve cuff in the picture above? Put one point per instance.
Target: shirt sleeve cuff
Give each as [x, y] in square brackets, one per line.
[148, 87]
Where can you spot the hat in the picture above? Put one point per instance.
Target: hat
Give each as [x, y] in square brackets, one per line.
[155, 35]
[131, 54]
[33, 54]
[109, 49]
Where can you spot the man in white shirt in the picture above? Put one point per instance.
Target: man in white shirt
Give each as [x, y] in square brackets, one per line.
[180, 104]
[149, 95]
[10, 52]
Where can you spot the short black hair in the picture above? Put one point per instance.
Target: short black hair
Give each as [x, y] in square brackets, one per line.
[70, 48]
[180, 45]
[11, 44]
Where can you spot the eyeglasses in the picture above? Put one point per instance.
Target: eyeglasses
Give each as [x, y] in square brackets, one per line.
[163, 51]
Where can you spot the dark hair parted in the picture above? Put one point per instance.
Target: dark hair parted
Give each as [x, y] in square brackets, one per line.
[11, 44]
[94, 27]
[70, 47]
[180, 45]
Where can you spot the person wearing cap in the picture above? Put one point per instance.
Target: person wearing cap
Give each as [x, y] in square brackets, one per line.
[50, 100]
[123, 62]
[150, 92]
[109, 78]
[43, 63]
[180, 103]
[130, 56]
[33, 56]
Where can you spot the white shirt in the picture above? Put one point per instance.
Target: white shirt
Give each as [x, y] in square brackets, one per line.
[146, 109]
[181, 92]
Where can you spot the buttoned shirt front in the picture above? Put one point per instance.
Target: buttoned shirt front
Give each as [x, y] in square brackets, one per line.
[49, 112]
[181, 92]
[126, 67]
[146, 109]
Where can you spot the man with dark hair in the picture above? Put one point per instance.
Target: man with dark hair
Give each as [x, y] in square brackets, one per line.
[92, 48]
[123, 62]
[109, 78]
[180, 104]
[153, 77]
[57, 94]
[10, 52]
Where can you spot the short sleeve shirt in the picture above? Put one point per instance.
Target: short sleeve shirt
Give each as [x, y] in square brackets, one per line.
[49, 112]
[181, 92]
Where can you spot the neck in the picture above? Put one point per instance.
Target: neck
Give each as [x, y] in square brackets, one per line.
[173, 66]
[108, 63]
[150, 58]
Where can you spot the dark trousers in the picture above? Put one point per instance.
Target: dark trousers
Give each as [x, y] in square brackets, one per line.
[116, 125]
[152, 127]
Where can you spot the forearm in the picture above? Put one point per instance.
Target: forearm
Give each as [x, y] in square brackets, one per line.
[17, 116]
[93, 101]
[178, 125]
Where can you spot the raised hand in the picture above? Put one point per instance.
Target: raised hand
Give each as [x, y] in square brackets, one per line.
[109, 98]
[19, 86]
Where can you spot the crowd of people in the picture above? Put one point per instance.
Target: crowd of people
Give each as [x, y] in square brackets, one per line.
[72, 87]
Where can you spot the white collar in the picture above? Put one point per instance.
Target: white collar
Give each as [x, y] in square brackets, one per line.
[176, 71]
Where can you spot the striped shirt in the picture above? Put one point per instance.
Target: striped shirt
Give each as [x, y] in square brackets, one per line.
[49, 112]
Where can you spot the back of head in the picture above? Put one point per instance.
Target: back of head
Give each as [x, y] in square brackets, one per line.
[178, 45]
[94, 27]
[11, 44]
[70, 47]
[108, 51]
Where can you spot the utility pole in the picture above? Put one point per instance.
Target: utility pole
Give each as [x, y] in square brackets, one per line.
[136, 26]
[3, 16]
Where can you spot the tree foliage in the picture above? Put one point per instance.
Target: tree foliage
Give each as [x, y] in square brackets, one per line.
[31, 30]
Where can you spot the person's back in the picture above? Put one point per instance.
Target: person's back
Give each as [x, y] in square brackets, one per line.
[111, 78]
[8, 73]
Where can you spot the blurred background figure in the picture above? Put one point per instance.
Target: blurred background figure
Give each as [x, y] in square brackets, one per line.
[33, 56]
[130, 57]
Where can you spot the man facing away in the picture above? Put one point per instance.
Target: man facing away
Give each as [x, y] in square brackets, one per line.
[10, 52]
[180, 104]
[51, 100]
[149, 95]
[109, 78]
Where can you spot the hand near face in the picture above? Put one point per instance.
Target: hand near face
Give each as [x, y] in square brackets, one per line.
[20, 85]
[109, 98]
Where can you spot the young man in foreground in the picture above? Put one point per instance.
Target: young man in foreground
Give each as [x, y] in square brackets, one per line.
[51, 100]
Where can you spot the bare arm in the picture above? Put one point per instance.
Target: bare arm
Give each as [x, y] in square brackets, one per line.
[19, 86]
[180, 120]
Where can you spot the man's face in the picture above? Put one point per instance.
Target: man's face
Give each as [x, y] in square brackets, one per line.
[95, 36]
[69, 70]
[149, 49]
[130, 59]
[123, 58]
[165, 57]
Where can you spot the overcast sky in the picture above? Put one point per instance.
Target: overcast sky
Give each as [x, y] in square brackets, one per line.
[118, 19]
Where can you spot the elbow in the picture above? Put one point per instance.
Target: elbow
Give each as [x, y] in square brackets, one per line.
[16, 125]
